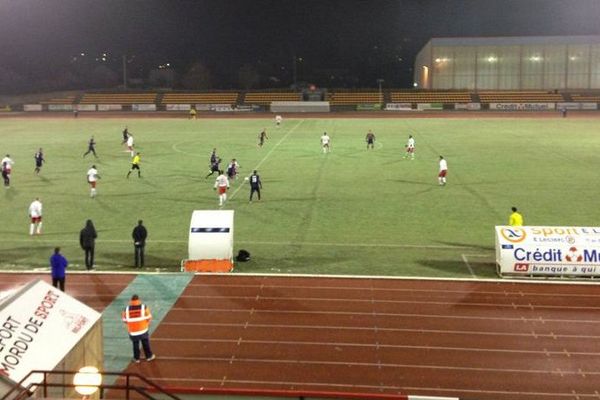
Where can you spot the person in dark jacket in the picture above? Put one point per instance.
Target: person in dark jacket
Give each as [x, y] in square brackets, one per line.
[139, 236]
[58, 264]
[87, 241]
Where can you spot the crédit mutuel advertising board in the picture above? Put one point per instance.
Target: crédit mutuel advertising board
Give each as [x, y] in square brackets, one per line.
[548, 250]
[38, 327]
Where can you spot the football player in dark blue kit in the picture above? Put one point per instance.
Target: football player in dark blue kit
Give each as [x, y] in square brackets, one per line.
[214, 166]
[255, 185]
[39, 160]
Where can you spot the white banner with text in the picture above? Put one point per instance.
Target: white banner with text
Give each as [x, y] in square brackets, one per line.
[38, 328]
[548, 250]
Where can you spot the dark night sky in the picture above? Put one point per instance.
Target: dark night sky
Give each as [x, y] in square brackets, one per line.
[361, 38]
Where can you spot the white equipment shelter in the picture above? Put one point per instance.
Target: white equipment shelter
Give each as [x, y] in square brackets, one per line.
[210, 244]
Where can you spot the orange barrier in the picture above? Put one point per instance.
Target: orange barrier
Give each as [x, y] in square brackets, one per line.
[207, 265]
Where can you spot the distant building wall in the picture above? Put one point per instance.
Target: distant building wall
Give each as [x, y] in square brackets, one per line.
[512, 63]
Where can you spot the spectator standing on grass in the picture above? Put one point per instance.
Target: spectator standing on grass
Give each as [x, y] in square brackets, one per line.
[58, 265]
[255, 185]
[39, 160]
[7, 164]
[137, 316]
[87, 241]
[139, 236]
[91, 148]
[443, 171]
[515, 219]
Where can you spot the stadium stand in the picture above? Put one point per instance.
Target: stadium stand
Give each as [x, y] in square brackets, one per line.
[265, 98]
[118, 98]
[579, 97]
[200, 98]
[61, 100]
[431, 97]
[520, 97]
[352, 98]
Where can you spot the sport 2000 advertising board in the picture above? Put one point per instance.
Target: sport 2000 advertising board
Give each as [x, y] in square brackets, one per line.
[39, 328]
[548, 251]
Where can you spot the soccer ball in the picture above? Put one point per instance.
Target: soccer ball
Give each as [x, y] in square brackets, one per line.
[246, 179]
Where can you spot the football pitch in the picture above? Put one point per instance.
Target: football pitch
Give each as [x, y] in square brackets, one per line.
[352, 211]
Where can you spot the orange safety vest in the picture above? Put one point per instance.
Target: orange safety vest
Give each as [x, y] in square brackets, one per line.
[137, 316]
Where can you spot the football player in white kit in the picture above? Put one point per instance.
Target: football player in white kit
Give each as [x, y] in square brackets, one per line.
[92, 177]
[326, 143]
[35, 213]
[221, 186]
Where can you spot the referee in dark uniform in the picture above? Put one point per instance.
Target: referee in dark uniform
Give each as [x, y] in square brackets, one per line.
[255, 185]
[139, 236]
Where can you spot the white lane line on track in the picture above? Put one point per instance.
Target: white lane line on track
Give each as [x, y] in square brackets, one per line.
[402, 389]
[381, 314]
[527, 306]
[370, 345]
[502, 294]
[275, 361]
[380, 329]
[267, 156]
[277, 383]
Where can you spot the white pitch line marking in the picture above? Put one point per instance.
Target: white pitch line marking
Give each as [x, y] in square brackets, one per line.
[320, 244]
[267, 155]
[464, 258]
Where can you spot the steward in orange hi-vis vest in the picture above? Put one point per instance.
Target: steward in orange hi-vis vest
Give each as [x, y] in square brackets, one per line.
[137, 316]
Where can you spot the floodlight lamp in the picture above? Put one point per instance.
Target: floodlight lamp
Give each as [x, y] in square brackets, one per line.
[492, 59]
[415, 84]
[572, 58]
[438, 60]
[87, 380]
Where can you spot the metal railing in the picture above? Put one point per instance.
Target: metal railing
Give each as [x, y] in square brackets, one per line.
[130, 386]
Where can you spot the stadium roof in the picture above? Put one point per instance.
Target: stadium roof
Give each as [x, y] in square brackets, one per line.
[514, 40]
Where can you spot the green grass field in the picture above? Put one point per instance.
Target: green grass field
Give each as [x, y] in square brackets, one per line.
[352, 211]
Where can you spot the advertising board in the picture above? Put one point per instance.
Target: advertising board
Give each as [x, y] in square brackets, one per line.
[110, 107]
[60, 107]
[522, 106]
[589, 106]
[430, 106]
[38, 328]
[178, 107]
[398, 107]
[467, 106]
[85, 107]
[32, 107]
[143, 107]
[542, 251]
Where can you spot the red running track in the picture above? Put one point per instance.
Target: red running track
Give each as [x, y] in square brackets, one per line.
[473, 340]
[97, 290]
